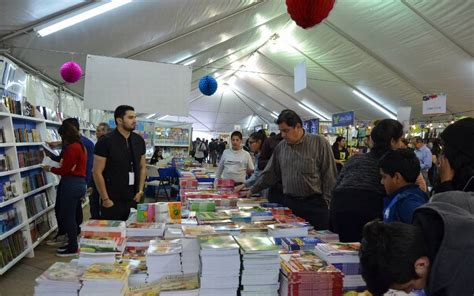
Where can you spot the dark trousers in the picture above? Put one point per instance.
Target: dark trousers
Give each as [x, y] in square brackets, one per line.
[351, 210]
[57, 211]
[72, 189]
[119, 211]
[275, 194]
[313, 209]
[94, 203]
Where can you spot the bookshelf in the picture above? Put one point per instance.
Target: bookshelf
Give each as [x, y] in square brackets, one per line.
[27, 193]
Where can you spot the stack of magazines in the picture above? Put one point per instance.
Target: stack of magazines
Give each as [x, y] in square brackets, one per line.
[105, 279]
[163, 258]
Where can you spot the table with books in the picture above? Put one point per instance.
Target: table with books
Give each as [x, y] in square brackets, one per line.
[207, 246]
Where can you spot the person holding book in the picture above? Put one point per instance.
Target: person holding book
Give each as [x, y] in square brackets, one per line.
[89, 146]
[72, 186]
[235, 163]
[120, 167]
[305, 166]
[435, 253]
[399, 170]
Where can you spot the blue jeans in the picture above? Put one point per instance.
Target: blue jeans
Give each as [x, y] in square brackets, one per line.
[72, 189]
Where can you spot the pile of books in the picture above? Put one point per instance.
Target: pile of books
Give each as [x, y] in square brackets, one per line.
[260, 266]
[180, 285]
[101, 241]
[10, 217]
[60, 279]
[213, 218]
[305, 274]
[100, 250]
[163, 258]
[135, 229]
[190, 255]
[103, 279]
[220, 266]
[299, 243]
[326, 235]
[345, 257]
[29, 157]
[294, 229]
[135, 255]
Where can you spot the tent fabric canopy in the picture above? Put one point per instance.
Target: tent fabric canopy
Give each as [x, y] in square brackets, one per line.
[392, 51]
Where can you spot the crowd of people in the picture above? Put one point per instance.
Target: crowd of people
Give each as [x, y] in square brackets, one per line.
[411, 207]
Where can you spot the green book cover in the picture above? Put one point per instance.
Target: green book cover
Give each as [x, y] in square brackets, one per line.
[212, 216]
[218, 242]
[256, 244]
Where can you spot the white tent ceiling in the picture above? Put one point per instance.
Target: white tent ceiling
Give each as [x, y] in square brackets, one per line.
[393, 51]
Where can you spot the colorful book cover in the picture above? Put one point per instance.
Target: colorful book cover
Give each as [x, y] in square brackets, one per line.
[179, 282]
[62, 271]
[212, 216]
[197, 230]
[104, 271]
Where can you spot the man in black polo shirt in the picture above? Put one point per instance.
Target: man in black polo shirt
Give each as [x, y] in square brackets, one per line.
[119, 166]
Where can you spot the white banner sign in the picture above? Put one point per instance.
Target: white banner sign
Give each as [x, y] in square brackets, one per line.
[403, 116]
[300, 76]
[434, 104]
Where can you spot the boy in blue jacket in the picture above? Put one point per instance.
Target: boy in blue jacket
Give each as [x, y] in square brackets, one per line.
[399, 170]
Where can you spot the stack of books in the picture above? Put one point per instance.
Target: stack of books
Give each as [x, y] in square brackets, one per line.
[305, 274]
[190, 255]
[213, 218]
[295, 229]
[345, 257]
[100, 250]
[103, 228]
[180, 285]
[102, 279]
[163, 258]
[326, 236]
[220, 266]
[135, 255]
[61, 279]
[101, 241]
[136, 229]
[260, 266]
[299, 243]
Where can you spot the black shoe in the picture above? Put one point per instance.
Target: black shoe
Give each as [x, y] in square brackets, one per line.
[65, 247]
[66, 253]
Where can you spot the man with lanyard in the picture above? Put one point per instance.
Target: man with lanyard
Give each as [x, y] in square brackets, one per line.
[305, 166]
[119, 166]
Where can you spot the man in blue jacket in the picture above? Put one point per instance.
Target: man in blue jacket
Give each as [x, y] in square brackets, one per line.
[399, 170]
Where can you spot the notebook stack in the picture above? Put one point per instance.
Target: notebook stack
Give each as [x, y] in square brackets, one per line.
[345, 257]
[190, 256]
[102, 279]
[260, 266]
[163, 258]
[305, 274]
[220, 266]
[61, 279]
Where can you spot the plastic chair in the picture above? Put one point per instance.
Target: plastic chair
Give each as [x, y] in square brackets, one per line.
[152, 176]
[167, 175]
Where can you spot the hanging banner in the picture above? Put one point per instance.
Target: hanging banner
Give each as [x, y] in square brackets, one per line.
[300, 76]
[434, 104]
[343, 119]
[311, 126]
[403, 116]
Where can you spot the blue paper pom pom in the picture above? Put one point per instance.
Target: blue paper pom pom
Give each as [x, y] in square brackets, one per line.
[208, 85]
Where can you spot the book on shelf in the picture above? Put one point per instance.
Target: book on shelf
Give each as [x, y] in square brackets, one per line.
[8, 190]
[10, 217]
[5, 163]
[2, 135]
[13, 106]
[11, 247]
